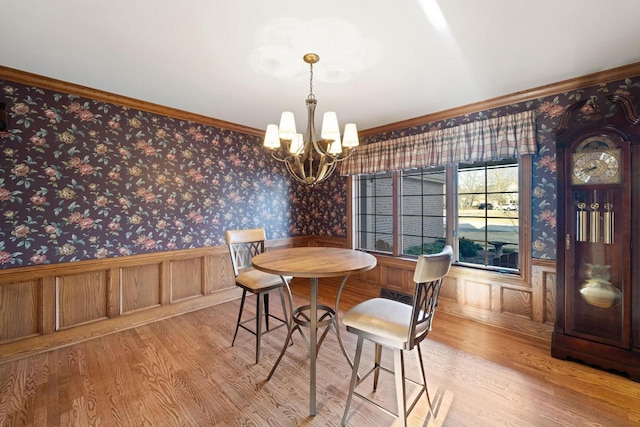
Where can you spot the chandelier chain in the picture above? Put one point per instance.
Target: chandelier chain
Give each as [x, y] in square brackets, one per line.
[311, 95]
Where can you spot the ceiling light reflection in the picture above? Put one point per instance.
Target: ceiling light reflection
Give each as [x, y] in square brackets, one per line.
[433, 13]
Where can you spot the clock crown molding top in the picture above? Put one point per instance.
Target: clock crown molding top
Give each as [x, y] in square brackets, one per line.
[614, 111]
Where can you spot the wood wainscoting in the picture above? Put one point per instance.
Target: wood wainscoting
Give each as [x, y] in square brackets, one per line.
[521, 303]
[55, 305]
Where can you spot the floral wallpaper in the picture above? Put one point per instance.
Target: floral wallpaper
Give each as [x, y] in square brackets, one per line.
[84, 179]
[550, 110]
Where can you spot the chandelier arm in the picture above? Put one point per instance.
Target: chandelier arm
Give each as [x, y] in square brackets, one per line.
[325, 170]
[322, 173]
[334, 157]
[342, 159]
[300, 168]
[293, 173]
[280, 159]
[322, 165]
[319, 148]
[329, 168]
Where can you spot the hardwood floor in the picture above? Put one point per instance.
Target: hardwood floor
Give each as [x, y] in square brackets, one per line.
[183, 372]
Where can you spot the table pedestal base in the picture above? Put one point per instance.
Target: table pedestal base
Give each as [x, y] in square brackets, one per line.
[326, 319]
[313, 316]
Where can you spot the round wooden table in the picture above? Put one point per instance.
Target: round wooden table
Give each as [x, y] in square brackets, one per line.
[314, 262]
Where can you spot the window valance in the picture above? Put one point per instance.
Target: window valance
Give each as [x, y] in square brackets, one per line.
[491, 139]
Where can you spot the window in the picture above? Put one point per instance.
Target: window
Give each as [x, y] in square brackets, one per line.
[487, 223]
[423, 216]
[375, 219]
[473, 207]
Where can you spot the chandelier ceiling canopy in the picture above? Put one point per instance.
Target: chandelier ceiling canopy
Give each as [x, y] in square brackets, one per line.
[310, 160]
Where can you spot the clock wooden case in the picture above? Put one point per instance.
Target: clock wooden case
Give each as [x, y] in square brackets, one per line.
[598, 219]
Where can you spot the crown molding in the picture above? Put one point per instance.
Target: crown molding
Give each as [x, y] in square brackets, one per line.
[30, 79]
[513, 98]
[613, 74]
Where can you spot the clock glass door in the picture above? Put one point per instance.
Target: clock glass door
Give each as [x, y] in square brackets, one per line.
[594, 306]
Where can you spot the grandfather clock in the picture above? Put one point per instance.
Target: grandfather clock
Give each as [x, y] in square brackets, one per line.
[598, 222]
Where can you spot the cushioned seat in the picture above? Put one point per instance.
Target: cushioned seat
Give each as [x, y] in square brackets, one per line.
[257, 280]
[386, 320]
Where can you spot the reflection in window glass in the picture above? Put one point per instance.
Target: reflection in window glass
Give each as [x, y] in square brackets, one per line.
[488, 222]
[423, 211]
[374, 202]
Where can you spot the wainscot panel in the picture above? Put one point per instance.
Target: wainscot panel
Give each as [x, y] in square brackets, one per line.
[544, 291]
[448, 290]
[477, 294]
[517, 302]
[81, 298]
[140, 287]
[187, 280]
[19, 310]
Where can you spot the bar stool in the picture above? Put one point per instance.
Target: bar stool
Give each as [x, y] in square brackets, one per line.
[400, 327]
[244, 245]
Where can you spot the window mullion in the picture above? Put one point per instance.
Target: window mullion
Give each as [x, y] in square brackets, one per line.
[451, 194]
[397, 213]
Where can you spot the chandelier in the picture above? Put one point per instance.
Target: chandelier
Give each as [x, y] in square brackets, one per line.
[307, 159]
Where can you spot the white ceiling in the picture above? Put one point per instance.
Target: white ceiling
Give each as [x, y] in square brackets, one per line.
[382, 61]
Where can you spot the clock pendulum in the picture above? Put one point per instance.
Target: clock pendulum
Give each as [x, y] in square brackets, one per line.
[597, 289]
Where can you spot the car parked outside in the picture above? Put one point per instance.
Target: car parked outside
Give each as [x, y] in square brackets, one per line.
[487, 206]
[510, 207]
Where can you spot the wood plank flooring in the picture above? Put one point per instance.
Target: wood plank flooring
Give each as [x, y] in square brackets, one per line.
[183, 372]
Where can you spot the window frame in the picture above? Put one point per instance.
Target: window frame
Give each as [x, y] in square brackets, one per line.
[451, 199]
[485, 167]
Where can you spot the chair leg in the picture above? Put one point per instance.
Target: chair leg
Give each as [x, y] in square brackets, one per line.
[354, 378]
[266, 311]
[244, 294]
[284, 310]
[424, 379]
[377, 359]
[291, 327]
[259, 315]
[401, 392]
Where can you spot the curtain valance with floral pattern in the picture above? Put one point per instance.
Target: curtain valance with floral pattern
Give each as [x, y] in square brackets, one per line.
[492, 139]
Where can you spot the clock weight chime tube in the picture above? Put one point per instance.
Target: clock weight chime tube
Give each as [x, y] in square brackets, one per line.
[581, 223]
[594, 223]
[608, 224]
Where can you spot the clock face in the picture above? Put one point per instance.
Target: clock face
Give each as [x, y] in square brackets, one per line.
[596, 167]
[596, 160]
